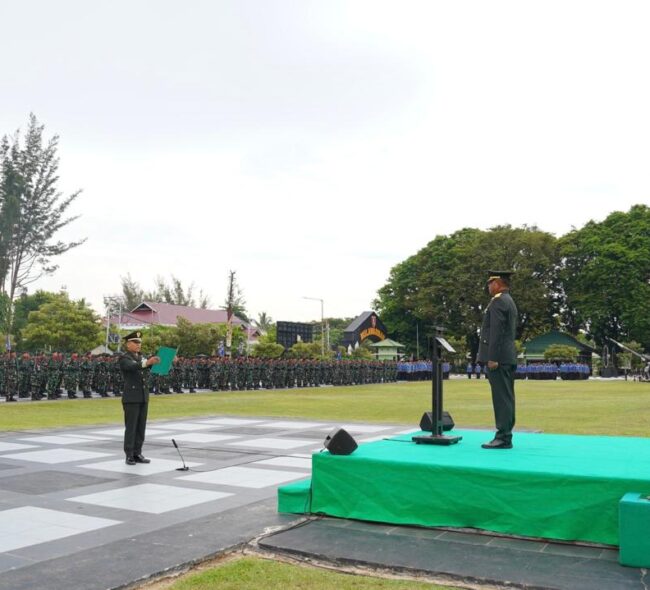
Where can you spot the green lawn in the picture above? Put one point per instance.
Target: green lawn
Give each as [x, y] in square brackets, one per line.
[250, 572]
[580, 407]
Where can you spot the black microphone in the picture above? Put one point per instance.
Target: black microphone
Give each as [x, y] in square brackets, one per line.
[185, 467]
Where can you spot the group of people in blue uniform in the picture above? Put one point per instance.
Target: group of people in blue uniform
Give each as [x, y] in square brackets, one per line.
[552, 371]
[419, 370]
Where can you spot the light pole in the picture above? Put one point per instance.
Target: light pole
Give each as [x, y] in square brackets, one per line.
[322, 323]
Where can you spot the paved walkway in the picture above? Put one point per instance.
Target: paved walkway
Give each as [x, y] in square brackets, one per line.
[72, 514]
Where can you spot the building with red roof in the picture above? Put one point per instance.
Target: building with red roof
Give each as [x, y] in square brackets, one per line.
[150, 313]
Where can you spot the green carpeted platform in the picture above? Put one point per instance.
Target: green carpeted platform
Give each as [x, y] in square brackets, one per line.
[554, 486]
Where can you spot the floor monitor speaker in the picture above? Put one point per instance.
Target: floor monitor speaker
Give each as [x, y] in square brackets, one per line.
[427, 421]
[340, 442]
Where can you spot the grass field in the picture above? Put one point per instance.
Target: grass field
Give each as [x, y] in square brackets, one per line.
[250, 572]
[578, 407]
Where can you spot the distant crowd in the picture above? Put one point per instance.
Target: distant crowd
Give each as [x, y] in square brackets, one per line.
[421, 371]
[51, 376]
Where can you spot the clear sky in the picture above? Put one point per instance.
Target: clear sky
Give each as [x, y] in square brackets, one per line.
[312, 145]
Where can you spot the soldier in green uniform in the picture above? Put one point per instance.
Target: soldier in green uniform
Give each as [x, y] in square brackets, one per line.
[117, 381]
[135, 400]
[86, 376]
[497, 351]
[25, 368]
[11, 377]
[176, 375]
[71, 376]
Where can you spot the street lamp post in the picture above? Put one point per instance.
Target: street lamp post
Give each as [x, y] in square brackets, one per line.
[322, 322]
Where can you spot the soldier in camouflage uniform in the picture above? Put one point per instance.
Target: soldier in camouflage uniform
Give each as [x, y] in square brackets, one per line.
[71, 376]
[117, 378]
[86, 376]
[101, 376]
[3, 369]
[11, 378]
[25, 367]
[189, 375]
[176, 375]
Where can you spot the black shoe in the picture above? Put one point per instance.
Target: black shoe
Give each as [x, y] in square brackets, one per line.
[141, 459]
[497, 443]
[130, 461]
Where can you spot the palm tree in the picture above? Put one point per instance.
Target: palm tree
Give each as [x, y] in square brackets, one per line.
[264, 321]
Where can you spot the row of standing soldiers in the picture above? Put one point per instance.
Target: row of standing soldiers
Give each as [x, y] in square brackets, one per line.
[53, 375]
[50, 375]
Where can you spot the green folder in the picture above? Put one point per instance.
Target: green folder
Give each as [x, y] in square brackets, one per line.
[166, 355]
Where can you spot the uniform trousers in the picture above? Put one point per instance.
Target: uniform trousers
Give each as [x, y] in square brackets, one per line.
[502, 384]
[135, 423]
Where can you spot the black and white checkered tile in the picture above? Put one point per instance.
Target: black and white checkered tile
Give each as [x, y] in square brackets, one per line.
[70, 490]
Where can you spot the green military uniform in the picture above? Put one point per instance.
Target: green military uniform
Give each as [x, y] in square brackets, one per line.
[497, 344]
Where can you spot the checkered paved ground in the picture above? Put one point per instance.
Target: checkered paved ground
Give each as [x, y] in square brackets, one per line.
[65, 492]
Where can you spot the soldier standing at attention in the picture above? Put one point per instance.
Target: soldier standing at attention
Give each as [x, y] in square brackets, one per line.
[497, 350]
[135, 399]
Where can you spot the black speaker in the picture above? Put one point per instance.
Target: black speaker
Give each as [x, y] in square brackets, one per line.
[340, 442]
[426, 422]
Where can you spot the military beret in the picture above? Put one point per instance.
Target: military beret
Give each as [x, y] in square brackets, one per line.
[133, 337]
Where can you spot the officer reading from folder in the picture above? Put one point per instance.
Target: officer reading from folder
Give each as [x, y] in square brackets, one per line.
[497, 351]
[135, 400]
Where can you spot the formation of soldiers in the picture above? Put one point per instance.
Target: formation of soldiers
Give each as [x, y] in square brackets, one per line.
[51, 376]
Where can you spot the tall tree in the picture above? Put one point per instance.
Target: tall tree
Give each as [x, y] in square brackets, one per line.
[132, 293]
[32, 209]
[173, 292]
[25, 304]
[605, 277]
[63, 325]
[264, 321]
[235, 304]
[444, 283]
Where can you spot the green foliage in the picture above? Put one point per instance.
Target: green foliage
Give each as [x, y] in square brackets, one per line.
[132, 293]
[271, 350]
[62, 325]
[173, 292]
[264, 321]
[270, 336]
[32, 210]
[635, 362]
[561, 353]
[26, 304]
[5, 313]
[362, 353]
[190, 339]
[445, 283]
[235, 304]
[305, 350]
[153, 337]
[606, 277]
